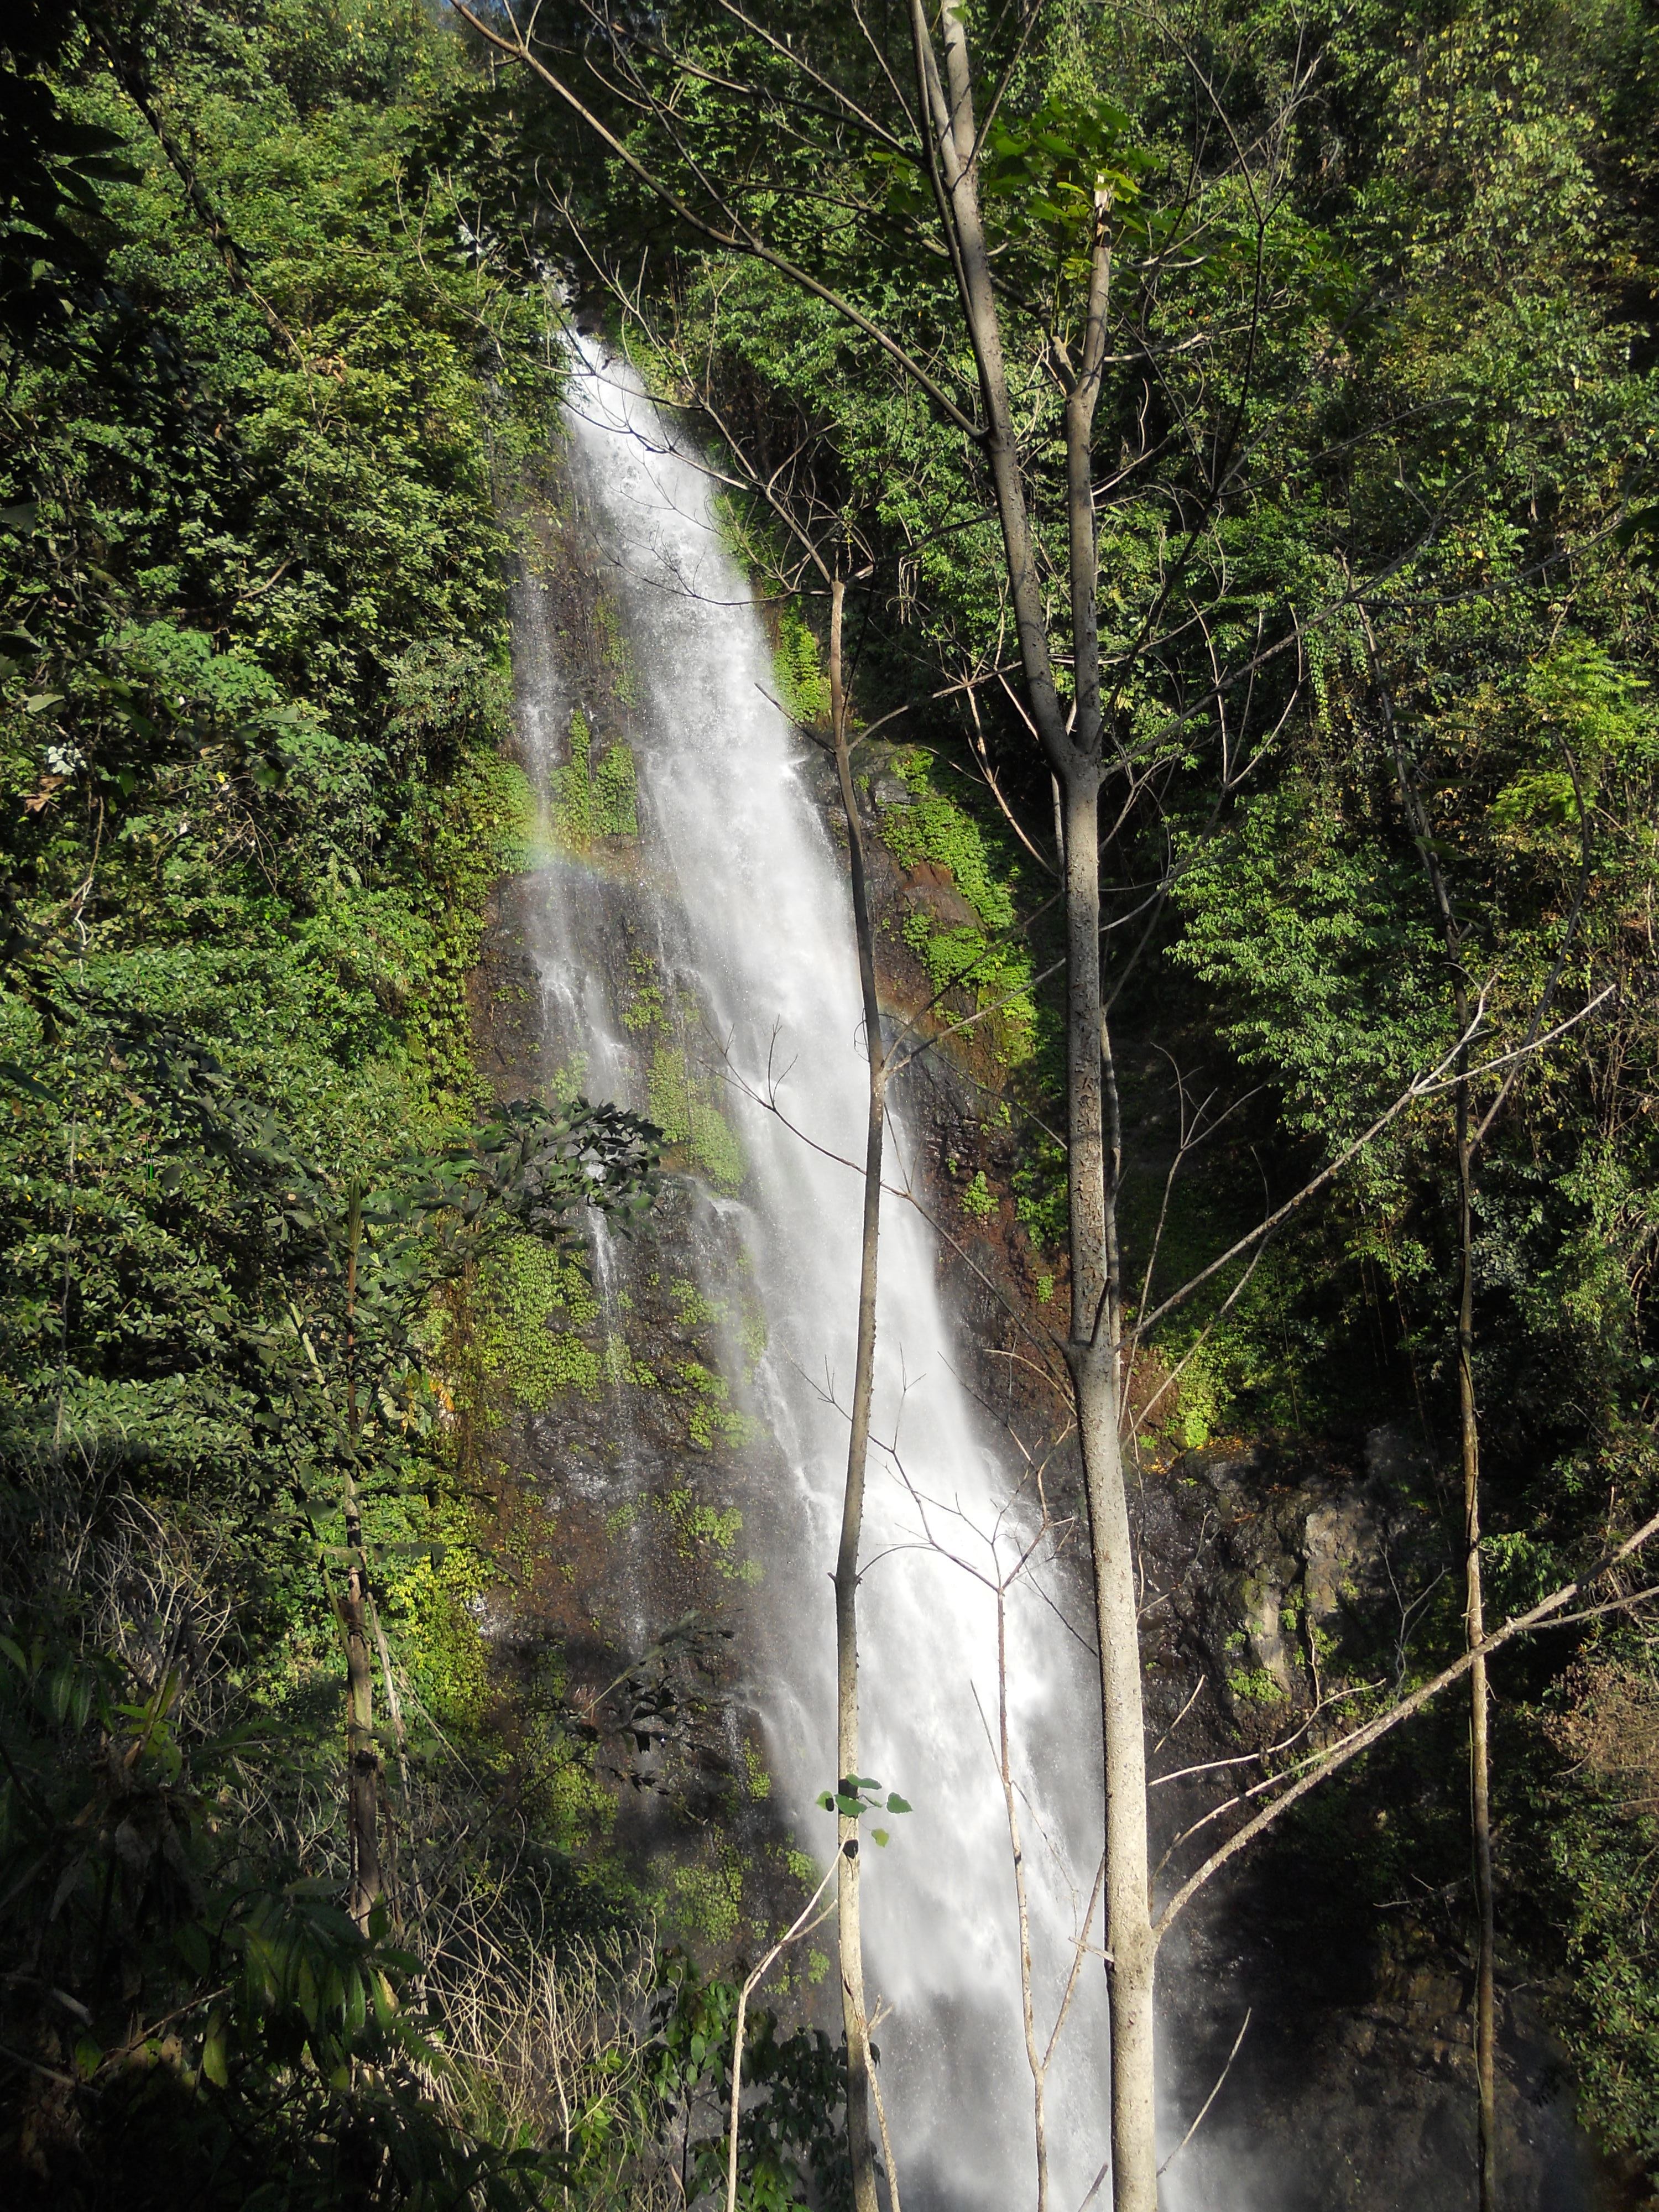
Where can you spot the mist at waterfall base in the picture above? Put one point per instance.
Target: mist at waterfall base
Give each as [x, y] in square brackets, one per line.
[752, 919]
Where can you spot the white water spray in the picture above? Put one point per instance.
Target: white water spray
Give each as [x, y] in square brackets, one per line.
[734, 842]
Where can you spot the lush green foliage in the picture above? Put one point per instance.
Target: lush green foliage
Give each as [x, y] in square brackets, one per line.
[793, 2150]
[265, 396]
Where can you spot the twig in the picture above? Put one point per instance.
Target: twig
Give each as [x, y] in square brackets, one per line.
[1211, 2099]
[886, 2139]
[803, 1926]
[1552, 1611]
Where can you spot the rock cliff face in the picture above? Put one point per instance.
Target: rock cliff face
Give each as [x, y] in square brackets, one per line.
[1353, 2085]
[630, 1500]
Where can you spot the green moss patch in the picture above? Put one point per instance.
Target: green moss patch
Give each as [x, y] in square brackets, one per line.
[593, 797]
[678, 1103]
[533, 1309]
[983, 958]
[803, 682]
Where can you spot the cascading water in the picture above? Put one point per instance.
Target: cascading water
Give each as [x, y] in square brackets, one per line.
[750, 916]
[683, 946]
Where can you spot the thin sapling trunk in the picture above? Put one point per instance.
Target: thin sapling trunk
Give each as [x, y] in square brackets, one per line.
[1035, 2057]
[854, 2011]
[803, 1924]
[362, 1760]
[1485, 2006]
[1468, 1424]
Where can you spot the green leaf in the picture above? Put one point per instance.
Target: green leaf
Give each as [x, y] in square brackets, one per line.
[1638, 533]
[213, 2053]
[14, 1078]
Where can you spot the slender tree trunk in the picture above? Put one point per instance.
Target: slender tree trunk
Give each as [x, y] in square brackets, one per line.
[1132, 1948]
[1486, 2008]
[855, 2012]
[1468, 1423]
[1074, 756]
[947, 126]
[1036, 2058]
[1093, 1351]
[1092, 1354]
[362, 1760]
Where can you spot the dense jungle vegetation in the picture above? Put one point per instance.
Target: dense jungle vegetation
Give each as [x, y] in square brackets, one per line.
[279, 310]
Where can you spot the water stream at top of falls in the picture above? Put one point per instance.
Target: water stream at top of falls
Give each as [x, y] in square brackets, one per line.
[754, 917]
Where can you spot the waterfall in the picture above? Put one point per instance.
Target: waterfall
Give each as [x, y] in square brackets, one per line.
[748, 910]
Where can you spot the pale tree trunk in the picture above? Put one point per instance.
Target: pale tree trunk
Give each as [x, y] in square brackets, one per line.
[855, 2012]
[1074, 754]
[1092, 1355]
[362, 1760]
[1130, 1946]
[1485, 2006]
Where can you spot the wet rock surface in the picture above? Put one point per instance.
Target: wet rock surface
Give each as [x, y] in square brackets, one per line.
[626, 1518]
[1353, 2085]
